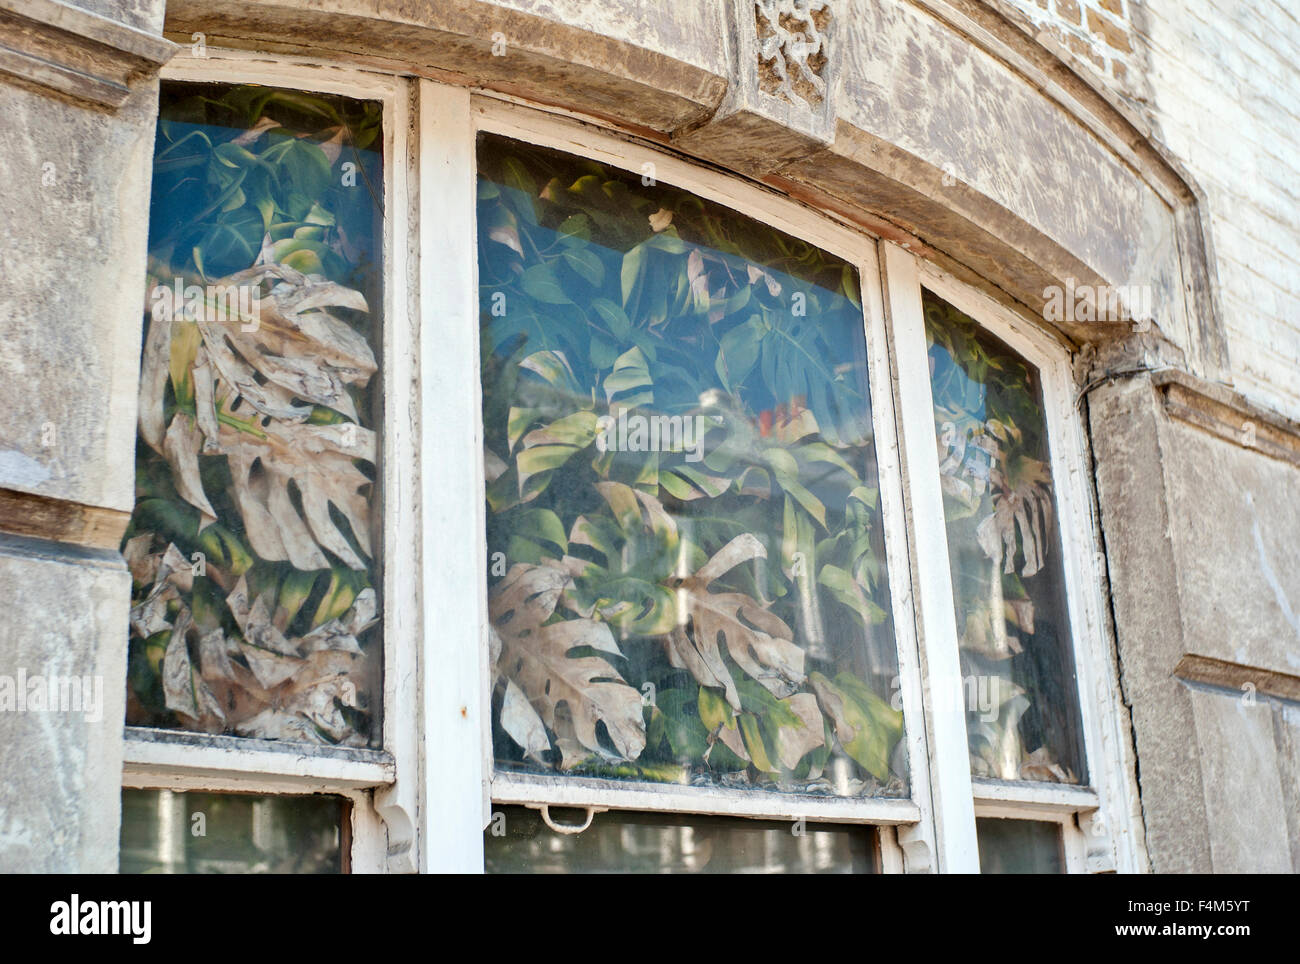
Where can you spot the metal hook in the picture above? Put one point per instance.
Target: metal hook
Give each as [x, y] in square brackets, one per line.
[567, 828]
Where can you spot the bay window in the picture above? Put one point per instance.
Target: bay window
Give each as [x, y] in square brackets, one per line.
[549, 502]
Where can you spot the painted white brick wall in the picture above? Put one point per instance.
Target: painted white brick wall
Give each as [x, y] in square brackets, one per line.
[1224, 84]
[1220, 82]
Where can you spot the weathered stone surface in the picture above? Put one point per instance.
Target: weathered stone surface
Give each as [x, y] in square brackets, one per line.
[59, 798]
[75, 207]
[1286, 721]
[947, 141]
[142, 14]
[76, 53]
[781, 102]
[592, 60]
[1203, 563]
[1142, 565]
[1241, 775]
[695, 31]
[1233, 518]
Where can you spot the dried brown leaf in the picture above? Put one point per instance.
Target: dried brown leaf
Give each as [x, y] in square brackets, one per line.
[757, 640]
[535, 657]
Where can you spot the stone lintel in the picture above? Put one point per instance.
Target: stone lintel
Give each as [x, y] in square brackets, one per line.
[74, 52]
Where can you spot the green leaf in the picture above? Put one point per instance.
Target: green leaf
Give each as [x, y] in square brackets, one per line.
[586, 264]
[821, 452]
[738, 352]
[630, 273]
[687, 735]
[849, 286]
[517, 177]
[845, 589]
[575, 229]
[750, 730]
[866, 495]
[578, 430]
[542, 458]
[614, 317]
[865, 725]
[786, 471]
[540, 282]
[339, 597]
[630, 374]
[541, 524]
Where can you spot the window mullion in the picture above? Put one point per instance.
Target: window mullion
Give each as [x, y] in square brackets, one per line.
[955, 840]
[904, 839]
[454, 807]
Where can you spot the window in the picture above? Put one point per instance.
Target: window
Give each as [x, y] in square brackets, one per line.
[584, 509]
[1007, 578]
[681, 482]
[256, 611]
[166, 832]
[669, 843]
[1019, 847]
[258, 650]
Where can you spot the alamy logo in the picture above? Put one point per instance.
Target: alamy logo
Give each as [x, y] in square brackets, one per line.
[1076, 303]
[52, 694]
[210, 303]
[653, 433]
[130, 917]
[981, 695]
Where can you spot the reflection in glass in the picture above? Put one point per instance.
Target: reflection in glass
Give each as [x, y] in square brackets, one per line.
[687, 566]
[1019, 847]
[166, 832]
[646, 843]
[254, 605]
[1022, 714]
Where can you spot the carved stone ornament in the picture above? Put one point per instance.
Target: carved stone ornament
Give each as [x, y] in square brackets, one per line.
[780, 103]
[792, 49]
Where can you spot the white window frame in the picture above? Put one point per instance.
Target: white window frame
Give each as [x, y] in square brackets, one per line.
[383, 808]
[423, 801]
[1100, 820]
[498, 116]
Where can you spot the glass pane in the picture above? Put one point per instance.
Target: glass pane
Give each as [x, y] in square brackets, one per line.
[1019, 847]
[1022, 714]
[687, 563]
[165, 832]
[255, 608]
[518, 842]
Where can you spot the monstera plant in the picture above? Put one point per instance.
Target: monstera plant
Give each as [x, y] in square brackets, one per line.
[687, 577]
[250, 544]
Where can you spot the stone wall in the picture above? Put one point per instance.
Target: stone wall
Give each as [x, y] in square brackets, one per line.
[78, 128]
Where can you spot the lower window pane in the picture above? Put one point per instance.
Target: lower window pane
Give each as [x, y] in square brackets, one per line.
[165, 832]
[517, 841]
[1019, 847]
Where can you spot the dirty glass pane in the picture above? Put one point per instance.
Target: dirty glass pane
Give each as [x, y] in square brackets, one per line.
[252, 545]
[166, 832]
[1022, 715]
[517, 841]
[1019, 847]
[686, 556]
